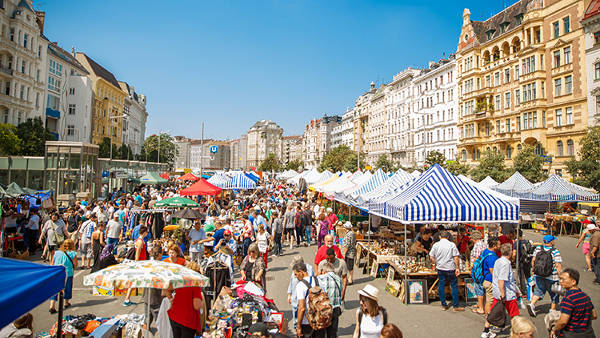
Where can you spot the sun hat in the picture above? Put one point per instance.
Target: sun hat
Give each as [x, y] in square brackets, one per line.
[370, 291]
[591, 227]
[348, 225]
[549, 238]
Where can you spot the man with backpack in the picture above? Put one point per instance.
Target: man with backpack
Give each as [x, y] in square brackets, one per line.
[303, 289]
[483, 270]
[332, 285]
[522, 252]
[547, 264]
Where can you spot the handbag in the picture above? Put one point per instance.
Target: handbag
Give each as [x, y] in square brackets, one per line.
[59, 239]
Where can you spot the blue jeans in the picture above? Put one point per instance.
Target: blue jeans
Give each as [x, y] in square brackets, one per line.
[295, 313]
[307, 231]
[113, 241]
[543, 285]
[451, 277]
[247, 242]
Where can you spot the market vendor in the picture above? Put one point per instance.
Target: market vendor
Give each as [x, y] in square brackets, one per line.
[174, 255]
[423, 243]
[463, 241]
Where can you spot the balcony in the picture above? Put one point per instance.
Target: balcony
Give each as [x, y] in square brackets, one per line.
[6, 71]
[52, 113]
[503, 137]
[531, 76]
[564, 69]
[478, 116]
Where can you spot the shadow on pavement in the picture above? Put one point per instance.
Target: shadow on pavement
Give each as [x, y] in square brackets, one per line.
[94, 302]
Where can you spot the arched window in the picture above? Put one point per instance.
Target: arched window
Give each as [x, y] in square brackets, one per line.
[538, 149]
[495, 150]
[571, 148]
[559, 149]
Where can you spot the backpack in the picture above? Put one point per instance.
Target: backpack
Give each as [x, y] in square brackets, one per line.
[525, 252]
[320, 311]
[130, 254]
[477, 271]
[544, 264]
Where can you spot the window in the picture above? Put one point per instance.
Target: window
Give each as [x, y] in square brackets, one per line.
[569, 84]
[25, 40]
[569, 115]
[597, 71]
[507, 125]
[71, 91]
[556, 29]
[516, 72]
[497, 107]
[517, 97]
[23, 67]
[507, 100]
[559, 149]
[518, 123]
[558, 87]
[597, 104]
[528, 65]
[12, 34]
[567, 54]
[597, 37]
[570, 148]
[543, 119]
[488, 78]
[519, 19]
[497, 79]
[464, 155]
[559, 120]
[70, 130]
[19, 117]
[39, 51]
[557, 59]
[566, 25]
[498, 131]
[71, 109]
[507, 75]
[508, 152]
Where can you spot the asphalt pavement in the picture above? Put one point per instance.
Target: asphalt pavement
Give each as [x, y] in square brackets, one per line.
[414, 320]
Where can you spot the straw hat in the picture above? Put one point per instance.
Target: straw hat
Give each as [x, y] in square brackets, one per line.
[348, 225]
[370, 291]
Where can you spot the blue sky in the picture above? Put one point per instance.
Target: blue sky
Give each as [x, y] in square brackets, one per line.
[230, 63]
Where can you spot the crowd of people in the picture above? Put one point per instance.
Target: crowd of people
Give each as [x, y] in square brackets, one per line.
[243, 230]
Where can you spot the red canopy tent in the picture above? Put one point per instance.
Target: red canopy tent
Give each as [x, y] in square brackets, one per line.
[165, 175]
[202, 187]
[188, 177]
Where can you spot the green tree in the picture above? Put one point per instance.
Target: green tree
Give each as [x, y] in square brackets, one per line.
[168, 149]
[457, 168]
[125, 153]
[351, 162]
[340, 158]
[10, 143]
[586, 170]
[271, 163]
[529, 164]
[435, 157]
[491, 164]
[34, 136]
[294, 165]
[104, 149]
[384, 164]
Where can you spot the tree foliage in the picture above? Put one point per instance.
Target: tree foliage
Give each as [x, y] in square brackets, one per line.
[457, 168]
[341, 158]
[435, 157]
[586, 170]
[33, 136]
[294, 165]
[168, 149]
[104, 149]
[384, 164]
[491, 164]
[529, 164]
[125, 153]
[10, 143]
[271, 163]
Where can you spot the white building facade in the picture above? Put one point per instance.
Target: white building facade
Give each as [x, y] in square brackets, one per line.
[264, 138]
[436, 110]
[23, 62]
[377, 133]
[135, 117]
[591, 27]
[347, 129]
[182, 161]
[238, 153]
[317, 139]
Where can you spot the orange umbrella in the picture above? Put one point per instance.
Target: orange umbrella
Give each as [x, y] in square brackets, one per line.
[188, 177]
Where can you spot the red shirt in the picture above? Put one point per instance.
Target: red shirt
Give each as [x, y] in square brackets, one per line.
[182, 307]
[322, 253]
[504, 239]
[463, 243]
[143, 254]
[333, 219]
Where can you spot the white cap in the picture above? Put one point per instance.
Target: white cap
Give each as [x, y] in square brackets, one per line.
[591, 227]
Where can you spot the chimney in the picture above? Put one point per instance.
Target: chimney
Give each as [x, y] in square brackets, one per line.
[41, 18]
[466, 17]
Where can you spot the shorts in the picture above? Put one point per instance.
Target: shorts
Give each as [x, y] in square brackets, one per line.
[86, 250]
[543, 285]
[349, 263]
[487, 287]
[585, 248]
[289, 231]
[52, 247]
[512, 307]
[68, 289]
[478, 290]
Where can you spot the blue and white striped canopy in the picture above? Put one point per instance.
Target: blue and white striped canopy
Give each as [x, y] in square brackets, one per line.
[240, 182]
[220, 180]
[556, 189]
[515, 186]
[390, 186]
[375, 181]
[437, 196]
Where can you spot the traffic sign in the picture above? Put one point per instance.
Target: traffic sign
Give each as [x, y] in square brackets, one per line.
[214, 149]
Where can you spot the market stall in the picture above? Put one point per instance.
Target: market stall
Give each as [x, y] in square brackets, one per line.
[438, 197]
[201, 188]
[239, 182]
[153, 178]
[188, 177]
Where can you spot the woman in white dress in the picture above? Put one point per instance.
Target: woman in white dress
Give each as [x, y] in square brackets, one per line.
[370, 317]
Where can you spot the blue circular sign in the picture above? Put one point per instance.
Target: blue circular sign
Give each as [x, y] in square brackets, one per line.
[214, 149]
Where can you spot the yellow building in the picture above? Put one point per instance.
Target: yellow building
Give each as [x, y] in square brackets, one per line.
[107, 103]
[522, 81]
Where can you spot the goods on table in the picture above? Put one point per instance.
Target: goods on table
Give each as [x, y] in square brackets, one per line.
[126, 325]
[392, 247]
[411, 264]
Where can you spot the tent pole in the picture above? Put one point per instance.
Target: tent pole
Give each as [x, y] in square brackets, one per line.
[147, 311]
[517, 258]
[405, 261]
[61, 301]
[369, 231]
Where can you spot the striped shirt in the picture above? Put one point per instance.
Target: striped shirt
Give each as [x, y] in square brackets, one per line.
[578, 306]
[478, 248]
[556, 258]
[332, 285]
